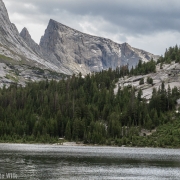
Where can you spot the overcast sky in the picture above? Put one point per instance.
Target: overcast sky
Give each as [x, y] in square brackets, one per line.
[152, 25]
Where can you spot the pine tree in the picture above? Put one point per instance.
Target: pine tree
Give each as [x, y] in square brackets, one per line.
[68, 131]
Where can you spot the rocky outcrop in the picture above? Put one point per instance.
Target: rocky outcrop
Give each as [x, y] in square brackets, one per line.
[169, 74]
[79, 52]
[13, 46]
[30, 42]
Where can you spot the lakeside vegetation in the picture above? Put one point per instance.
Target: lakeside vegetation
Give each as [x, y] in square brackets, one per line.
[87, 110]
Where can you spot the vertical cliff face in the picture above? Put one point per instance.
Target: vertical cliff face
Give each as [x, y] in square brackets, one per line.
[59, 48]
[79, 52]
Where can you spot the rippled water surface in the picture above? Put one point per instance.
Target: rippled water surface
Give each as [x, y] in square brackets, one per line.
[51, 162]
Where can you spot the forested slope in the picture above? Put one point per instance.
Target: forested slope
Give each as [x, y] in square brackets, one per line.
[86, 109]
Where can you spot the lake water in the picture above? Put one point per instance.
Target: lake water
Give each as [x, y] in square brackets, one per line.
[52, 162]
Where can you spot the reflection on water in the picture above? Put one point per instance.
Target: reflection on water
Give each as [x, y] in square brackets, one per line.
[47, 162]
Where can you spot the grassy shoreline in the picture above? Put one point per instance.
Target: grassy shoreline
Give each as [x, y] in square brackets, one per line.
[165, 136]
[72, 143]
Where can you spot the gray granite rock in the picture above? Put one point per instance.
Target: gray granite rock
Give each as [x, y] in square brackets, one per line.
[61, 50]
[170, 75]
[30, 42]
[79, 52]
[12, 45]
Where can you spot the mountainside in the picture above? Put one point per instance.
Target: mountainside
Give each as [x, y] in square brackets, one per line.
[21, 59]
[87, 110]
[80, 52]
[62, 50]
[13, 46]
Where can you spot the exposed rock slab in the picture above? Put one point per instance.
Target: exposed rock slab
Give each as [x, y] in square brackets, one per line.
[170, 75]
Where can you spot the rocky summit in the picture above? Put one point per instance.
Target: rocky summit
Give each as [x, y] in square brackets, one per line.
[30, 42]
[62, 50]
[75, 51]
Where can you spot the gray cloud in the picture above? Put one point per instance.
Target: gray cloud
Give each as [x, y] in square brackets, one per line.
[119, 20]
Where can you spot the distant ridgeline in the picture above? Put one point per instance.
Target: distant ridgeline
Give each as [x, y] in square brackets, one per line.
[87, 110]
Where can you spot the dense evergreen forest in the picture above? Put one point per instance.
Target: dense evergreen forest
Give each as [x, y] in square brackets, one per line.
[86, 109]
[171, 54]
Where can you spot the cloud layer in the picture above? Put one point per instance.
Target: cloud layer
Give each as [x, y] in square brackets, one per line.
[150, 25]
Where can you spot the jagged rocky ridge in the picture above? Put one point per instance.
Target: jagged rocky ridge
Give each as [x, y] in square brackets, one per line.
[61, 50]
[13, 46]
[79, 52]
[73, 51]
[30, 42]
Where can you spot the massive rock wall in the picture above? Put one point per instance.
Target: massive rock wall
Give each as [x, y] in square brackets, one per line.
[78, 52]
